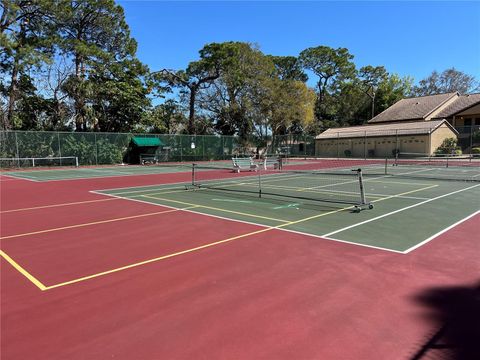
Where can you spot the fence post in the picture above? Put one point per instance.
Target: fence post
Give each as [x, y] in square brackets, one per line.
[96, 148]
[338, 138]
[181, 148]
[365, 145]
[396, 143]
[305, 146]
[471, 141]
[16, 149]
[59, 148]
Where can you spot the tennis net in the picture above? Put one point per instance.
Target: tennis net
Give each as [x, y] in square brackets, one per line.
[50, 161]
[404, 165]
[436, 167]
[305, 185]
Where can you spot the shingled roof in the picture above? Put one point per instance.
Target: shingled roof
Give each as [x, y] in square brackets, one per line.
[413, 109]
[463, 102]
[403, 128]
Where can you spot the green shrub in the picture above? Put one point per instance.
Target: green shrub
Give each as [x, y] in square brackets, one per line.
[81, 146]
[476, 136]
[475, 151]
[448, 146]
[108, 153]
[348, 153]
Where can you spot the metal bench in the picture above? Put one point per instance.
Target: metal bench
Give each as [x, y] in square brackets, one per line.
[240, 164]
[275, 163]
[146, 159]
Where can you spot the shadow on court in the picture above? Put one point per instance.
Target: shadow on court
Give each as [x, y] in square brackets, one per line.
[456, 312]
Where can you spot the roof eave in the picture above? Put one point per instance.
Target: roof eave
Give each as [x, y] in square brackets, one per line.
[456, 93]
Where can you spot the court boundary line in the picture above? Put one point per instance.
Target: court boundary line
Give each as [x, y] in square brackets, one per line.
[399, 210]
[53, 205]
[448, 228]
[263, 225]
[60, 228]
[20, 178]
[217, 209]
[281, 225]
[264, 228]
[22, 271]
[89, 178]
[253, 182]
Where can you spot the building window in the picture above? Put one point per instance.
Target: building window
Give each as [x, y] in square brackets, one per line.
[467, 122]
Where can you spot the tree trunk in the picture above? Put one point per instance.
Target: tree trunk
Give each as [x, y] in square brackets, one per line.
[79, 98]
[12, 96]
[12, 92]
[191, 114]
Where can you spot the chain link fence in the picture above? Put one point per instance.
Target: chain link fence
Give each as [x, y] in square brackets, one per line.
[110, 148]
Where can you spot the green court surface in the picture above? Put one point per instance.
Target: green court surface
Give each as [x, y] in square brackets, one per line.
[87, 173]
[407, 212]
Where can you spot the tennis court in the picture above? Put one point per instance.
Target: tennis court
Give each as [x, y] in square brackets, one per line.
[199, 252]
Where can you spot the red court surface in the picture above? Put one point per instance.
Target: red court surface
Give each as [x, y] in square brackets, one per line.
[263, 294]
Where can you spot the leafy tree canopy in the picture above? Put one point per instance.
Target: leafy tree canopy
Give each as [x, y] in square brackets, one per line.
[450, 80]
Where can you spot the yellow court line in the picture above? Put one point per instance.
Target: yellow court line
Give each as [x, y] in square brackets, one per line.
[31, 278]
[57, 205]
[22, 271]
[92, 223]
[191, 250]
[405, 193]
[213, 208]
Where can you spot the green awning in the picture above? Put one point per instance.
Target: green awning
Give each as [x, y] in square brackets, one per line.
[147, 141]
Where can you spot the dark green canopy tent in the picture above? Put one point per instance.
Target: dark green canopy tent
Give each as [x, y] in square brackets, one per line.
[142, 150]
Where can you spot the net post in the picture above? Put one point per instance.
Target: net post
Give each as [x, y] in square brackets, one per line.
[386, 166]
[33, 162]
[363, 200]
[193, 174]
[76, 161]
[259, 184]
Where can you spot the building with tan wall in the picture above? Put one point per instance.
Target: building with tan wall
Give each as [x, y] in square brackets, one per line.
[384, 140]
[413, 125]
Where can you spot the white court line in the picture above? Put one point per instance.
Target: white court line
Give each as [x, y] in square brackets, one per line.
[93, 176]
[251, 223]
[14, 177]
[311, 190]
[441, 232]
[250, 179]
[399, 210]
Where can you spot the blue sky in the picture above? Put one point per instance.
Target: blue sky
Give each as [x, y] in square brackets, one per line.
[408, 38]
